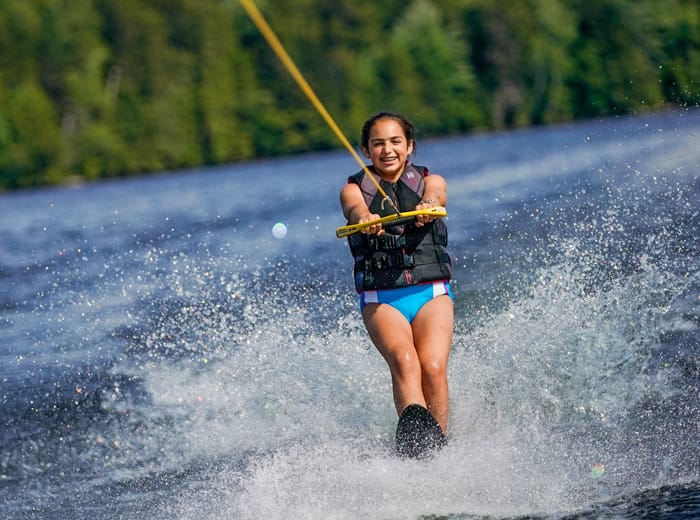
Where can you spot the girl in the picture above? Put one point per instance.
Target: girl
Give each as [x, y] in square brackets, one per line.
[402, 273]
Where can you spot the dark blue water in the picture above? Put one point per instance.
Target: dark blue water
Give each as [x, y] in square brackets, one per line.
[164, 355]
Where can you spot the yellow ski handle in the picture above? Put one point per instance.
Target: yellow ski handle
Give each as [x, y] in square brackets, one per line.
[394, 219]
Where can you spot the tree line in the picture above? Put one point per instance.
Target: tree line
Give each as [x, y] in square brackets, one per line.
[92, 89]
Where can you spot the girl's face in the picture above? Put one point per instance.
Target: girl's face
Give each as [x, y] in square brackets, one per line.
[388, 149]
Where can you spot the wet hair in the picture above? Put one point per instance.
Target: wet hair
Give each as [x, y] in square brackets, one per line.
[406, 125]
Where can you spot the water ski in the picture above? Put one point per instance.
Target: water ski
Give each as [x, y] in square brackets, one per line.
[418, 434]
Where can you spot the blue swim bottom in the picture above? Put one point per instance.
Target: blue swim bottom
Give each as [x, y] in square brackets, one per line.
[407, 300]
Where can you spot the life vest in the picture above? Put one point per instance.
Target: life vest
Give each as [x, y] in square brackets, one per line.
[404, 255]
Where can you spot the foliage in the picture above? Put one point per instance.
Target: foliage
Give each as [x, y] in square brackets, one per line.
[99, 88]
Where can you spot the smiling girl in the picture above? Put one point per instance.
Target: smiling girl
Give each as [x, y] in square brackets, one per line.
[402, 273]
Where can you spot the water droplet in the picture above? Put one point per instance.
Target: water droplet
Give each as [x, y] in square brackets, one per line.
[279, 230]
[597, 470]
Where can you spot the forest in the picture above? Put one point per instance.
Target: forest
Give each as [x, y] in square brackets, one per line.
[93, 89]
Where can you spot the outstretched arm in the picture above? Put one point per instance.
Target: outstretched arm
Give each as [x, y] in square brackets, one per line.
[435, 194]
[355, 209]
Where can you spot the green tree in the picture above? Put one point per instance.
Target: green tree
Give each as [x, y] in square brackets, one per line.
[29, 147]
[96, 88]
[220, 89]
[424, 72]
[678, 30]
[520, 57]
[156, 103]
[74, 70]
[616, 57]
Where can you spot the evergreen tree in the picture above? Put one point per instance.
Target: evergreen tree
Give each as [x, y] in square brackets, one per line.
[99, 88]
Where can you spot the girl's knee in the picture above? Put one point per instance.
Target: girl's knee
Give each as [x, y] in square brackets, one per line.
[434, 369]
[405, 363]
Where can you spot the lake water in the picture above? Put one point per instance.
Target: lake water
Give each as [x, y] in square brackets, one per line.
[164, 355]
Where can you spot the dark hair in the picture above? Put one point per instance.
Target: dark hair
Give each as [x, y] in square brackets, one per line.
[406, 125]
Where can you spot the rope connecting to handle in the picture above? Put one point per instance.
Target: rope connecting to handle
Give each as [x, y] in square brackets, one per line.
[284, 57]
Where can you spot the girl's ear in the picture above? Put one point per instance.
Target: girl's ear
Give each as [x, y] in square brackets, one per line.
[365, 152]
[410, 147]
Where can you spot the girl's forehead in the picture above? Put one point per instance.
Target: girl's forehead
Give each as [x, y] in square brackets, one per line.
[387, 128]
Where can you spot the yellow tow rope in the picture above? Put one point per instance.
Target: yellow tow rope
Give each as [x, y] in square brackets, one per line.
[274, 42]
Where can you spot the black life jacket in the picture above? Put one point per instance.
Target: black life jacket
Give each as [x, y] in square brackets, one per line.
[404, 255]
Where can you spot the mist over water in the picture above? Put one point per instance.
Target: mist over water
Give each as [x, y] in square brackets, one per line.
[557, 383]
[165, 355]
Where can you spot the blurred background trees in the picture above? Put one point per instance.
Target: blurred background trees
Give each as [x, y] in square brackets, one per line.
[102, 88]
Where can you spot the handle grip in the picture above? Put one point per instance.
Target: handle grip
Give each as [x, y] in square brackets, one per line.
[391, 220]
